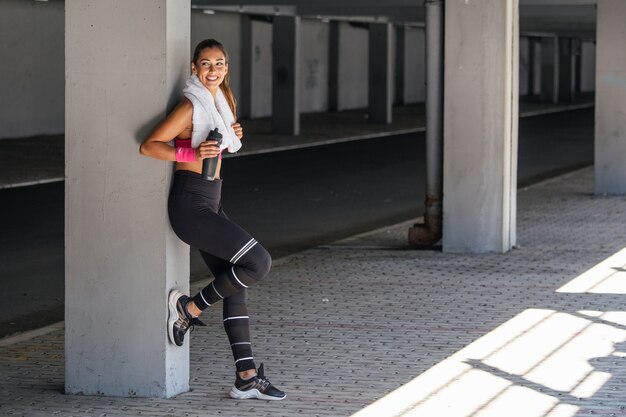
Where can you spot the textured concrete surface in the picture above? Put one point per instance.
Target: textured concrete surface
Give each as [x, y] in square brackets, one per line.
[538, 331]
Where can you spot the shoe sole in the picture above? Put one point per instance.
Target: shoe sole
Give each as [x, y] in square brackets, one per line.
[173, 314]
[252, 394]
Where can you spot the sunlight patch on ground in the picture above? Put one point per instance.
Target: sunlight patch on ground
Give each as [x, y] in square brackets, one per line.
[541, 363]
[607, 277]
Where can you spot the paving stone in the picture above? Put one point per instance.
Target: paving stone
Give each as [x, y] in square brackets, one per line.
[343, 325]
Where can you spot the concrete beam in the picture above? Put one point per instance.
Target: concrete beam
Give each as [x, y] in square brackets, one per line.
[125, 63]
[480, 141]
[610, 125]
[285, 73]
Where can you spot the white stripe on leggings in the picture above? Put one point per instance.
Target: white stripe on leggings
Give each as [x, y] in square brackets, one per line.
[236, 317]
[242, 251]
[235, 275]
[216, 292]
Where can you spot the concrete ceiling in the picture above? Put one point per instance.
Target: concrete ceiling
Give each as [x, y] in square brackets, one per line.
[563, 17]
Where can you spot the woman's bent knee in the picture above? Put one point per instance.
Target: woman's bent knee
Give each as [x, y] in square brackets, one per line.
[258, 262]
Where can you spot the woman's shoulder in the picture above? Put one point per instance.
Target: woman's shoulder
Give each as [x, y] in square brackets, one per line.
[183, 109]
[185, 104]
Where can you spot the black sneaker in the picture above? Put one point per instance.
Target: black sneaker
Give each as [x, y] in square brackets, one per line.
[179, 320]
[256, 387]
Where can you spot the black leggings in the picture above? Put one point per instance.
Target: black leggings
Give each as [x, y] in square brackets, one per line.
[235, 259]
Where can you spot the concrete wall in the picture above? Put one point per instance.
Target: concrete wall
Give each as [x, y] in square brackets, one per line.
[415, 65]
[226, 28]
[353, 66]
[32, 99]
[314, 38]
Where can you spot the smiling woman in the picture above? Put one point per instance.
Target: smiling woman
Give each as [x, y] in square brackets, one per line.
[235, 258]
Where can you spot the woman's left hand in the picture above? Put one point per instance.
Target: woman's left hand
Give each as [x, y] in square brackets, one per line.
[238, 130]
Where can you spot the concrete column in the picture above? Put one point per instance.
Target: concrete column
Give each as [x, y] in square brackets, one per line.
[550, 69]
[567, 68]
[125, 63]
[576, 51]
[333, 66]
[400, 75]
[531, 66]
[480, 125]
[588, 66]
[610, 143]
[524, 67]
[380, 73]
[285, 73]
[536, 70]
[247, 57]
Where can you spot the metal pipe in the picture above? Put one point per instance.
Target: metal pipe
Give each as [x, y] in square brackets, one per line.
[427, 234]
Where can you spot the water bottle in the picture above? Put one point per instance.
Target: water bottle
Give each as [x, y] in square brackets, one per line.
[209, 165]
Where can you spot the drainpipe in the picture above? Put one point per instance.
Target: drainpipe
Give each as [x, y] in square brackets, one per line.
[427, 234]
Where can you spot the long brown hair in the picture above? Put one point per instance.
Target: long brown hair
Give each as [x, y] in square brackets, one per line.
[225, 85]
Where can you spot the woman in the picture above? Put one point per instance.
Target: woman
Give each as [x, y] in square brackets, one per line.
[235, 259]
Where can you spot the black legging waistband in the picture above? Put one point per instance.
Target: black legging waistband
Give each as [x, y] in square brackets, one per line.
[193, 182]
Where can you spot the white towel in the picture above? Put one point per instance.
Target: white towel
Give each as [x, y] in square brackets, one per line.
[210, 113]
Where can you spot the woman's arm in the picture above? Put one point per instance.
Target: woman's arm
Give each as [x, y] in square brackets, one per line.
[156, 144]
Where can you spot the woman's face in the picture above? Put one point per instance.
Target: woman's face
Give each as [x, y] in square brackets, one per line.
[211, 68]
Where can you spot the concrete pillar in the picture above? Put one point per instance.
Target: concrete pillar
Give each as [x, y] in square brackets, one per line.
[380, 73]
[524, 68]
[550, 69]
[610, 141]
[567, 68]
[536, 70]
[480, 140]
[531, 66]
[333, 66]
[125, 63]
[576, 51]
[588, 66]
[247, 59]
[400, 80]
[285, 73]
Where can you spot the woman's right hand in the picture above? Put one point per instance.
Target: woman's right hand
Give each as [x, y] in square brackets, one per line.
[207, 149]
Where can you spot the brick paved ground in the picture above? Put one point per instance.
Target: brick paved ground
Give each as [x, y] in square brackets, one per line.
[343, 325]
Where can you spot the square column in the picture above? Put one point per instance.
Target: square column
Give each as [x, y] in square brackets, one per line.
[247, 59]
[567, 69]
[380, 73]
[533, 66]
[333, 66]
[285, 73]
[480, 125]
[610, 140]
[400, 65]
[550, 69]
[588, 66]
[125, 65]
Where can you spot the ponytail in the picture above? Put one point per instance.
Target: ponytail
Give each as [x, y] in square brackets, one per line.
[228, 93]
